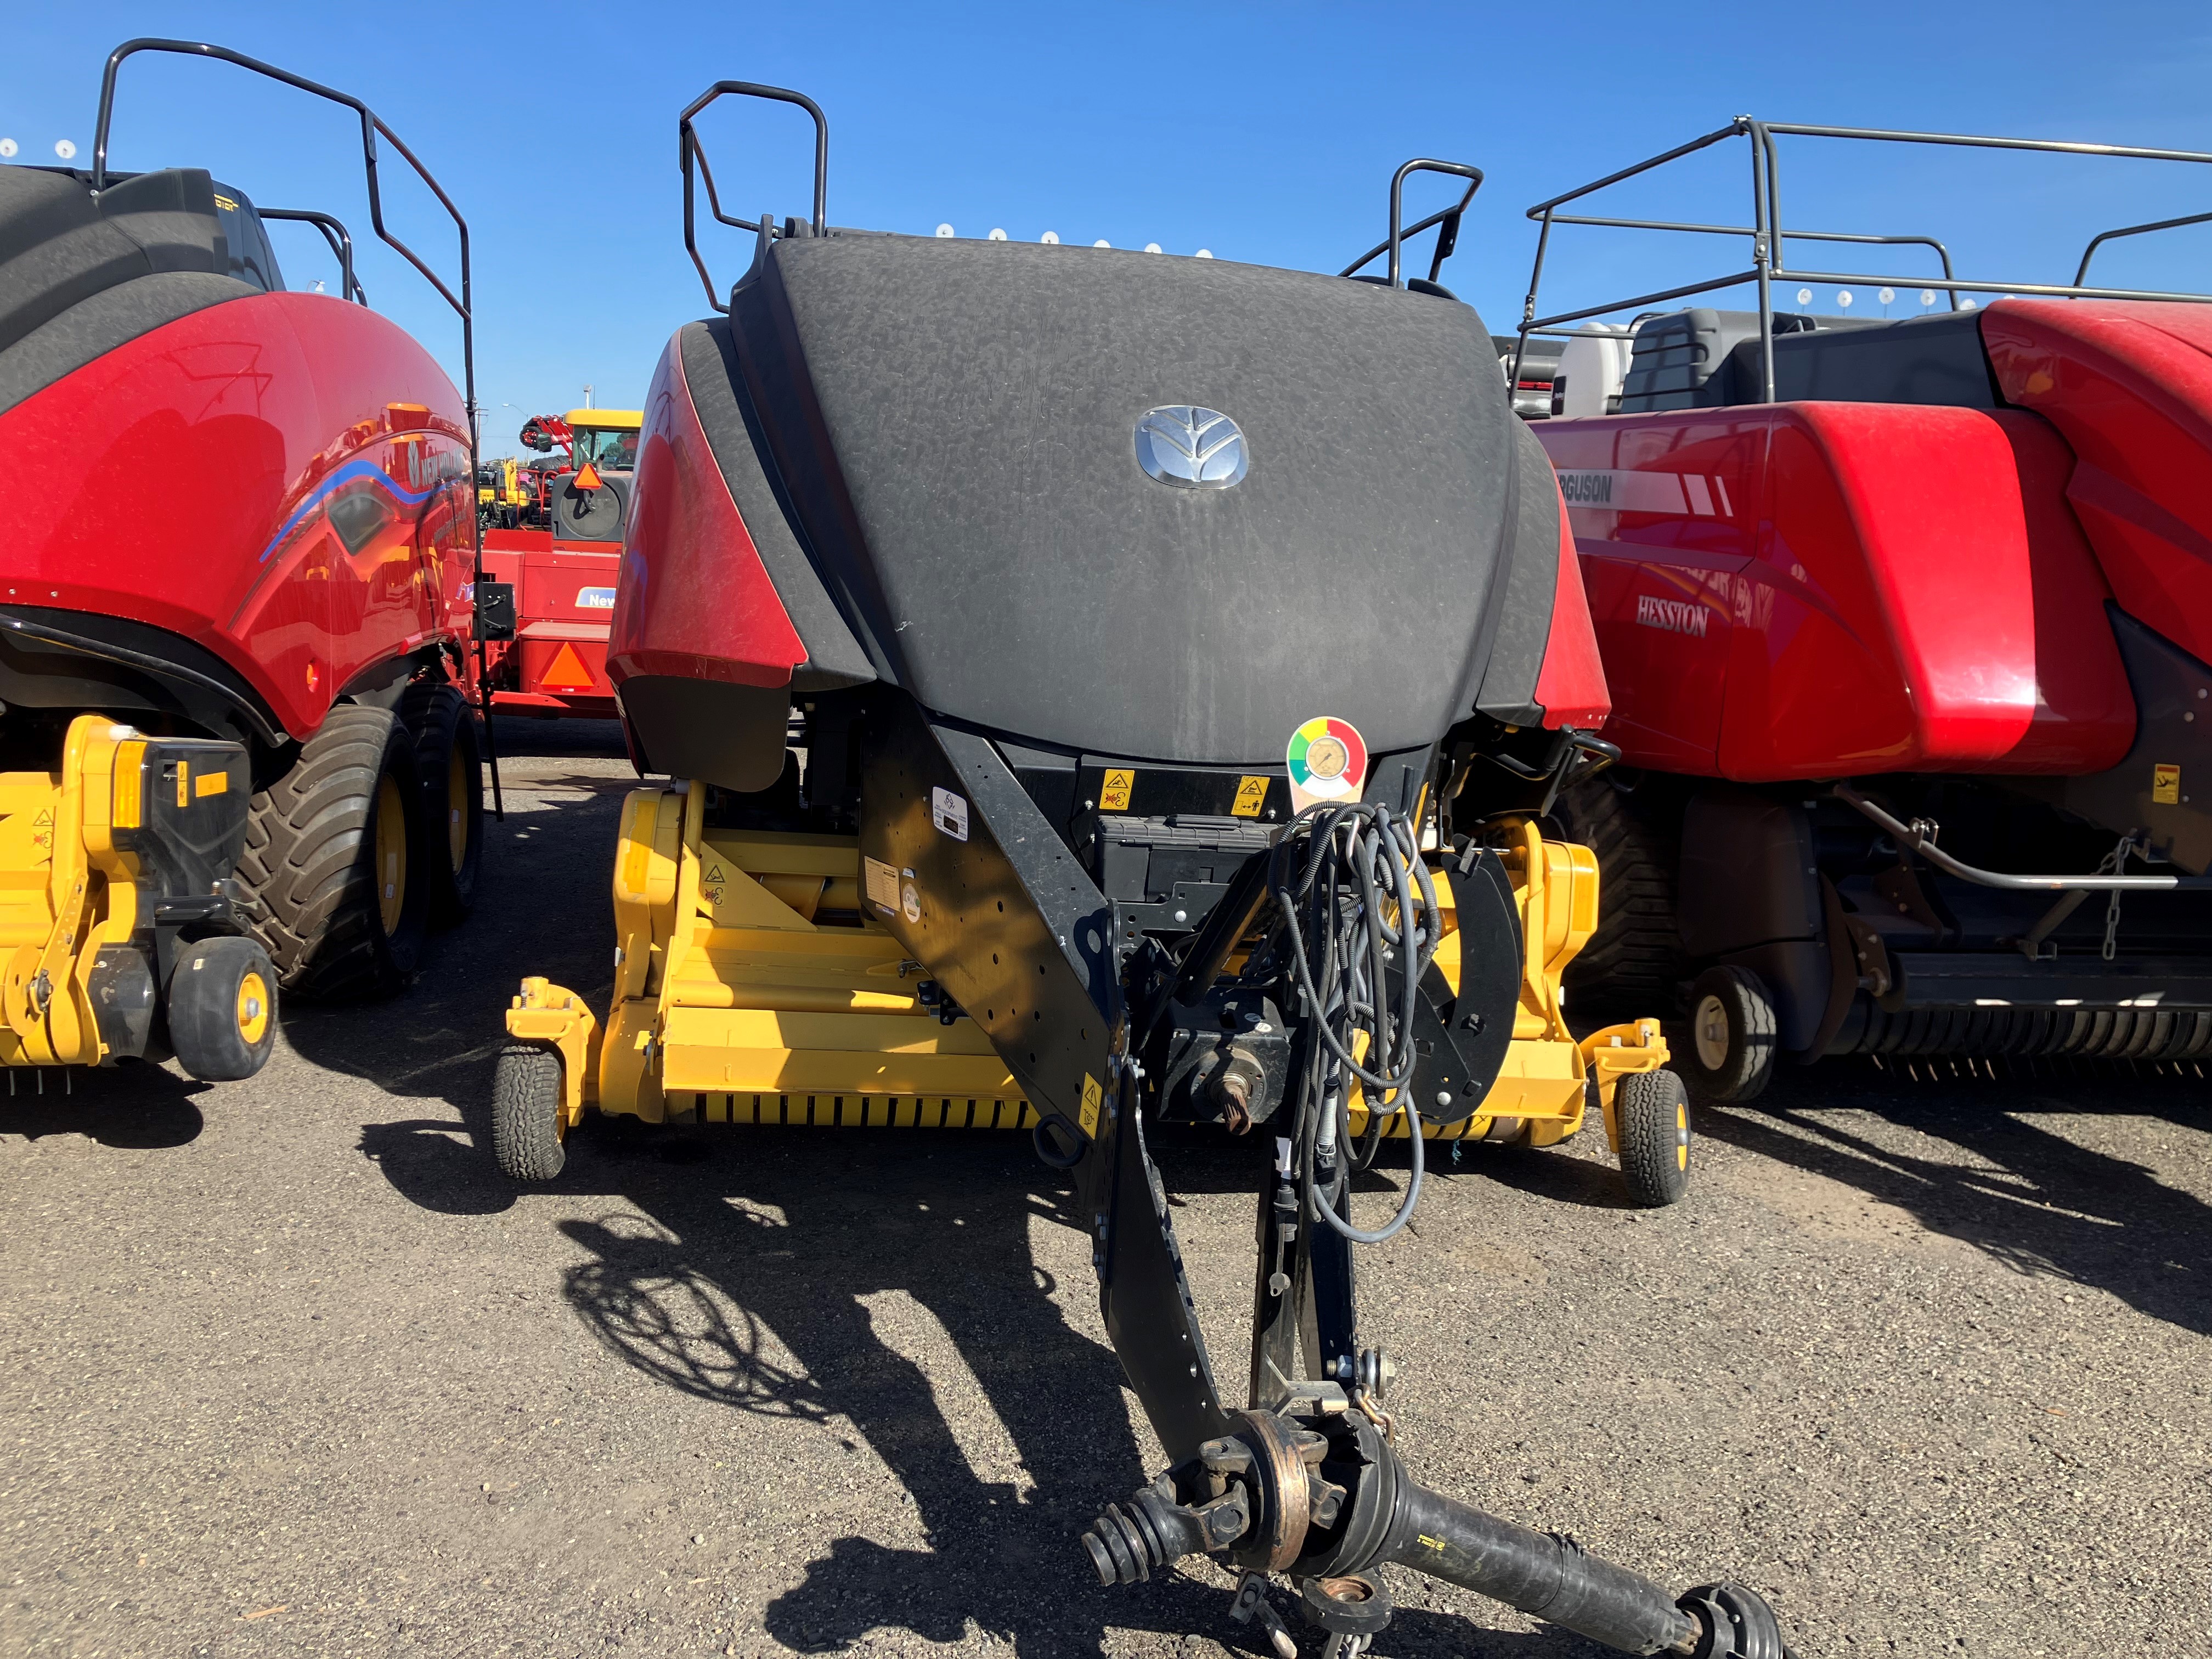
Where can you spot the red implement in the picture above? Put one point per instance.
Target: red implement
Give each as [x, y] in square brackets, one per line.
[1908, 628]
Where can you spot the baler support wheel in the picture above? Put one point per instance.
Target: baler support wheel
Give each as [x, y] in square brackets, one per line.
[529, 1130]
[1732, 1033]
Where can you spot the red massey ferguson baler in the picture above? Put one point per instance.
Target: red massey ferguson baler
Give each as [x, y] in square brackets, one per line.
[1906, 625]
[235, 598]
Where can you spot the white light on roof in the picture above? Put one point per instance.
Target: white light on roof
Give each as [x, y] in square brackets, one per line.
[1804, 296]
[1203, 254]
[1102, 242]
[1151, 247]
[1927, 296]
[944, 230]
[63, 148]
[998, 235]
[1886, 295]
[1968, 303]
[1050, 238]
[1844, 298]
[7, 146]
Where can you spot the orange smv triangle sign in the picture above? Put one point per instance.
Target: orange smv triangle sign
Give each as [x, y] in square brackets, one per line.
[567, 671]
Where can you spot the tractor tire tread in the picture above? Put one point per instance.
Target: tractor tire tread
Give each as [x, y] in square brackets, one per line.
[1650, 1108]
[303, 845]
[1633, 964]
[435, 713]
[525, 1113]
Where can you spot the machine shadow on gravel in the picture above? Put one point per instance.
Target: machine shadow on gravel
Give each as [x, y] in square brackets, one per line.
[746, 1281]
[2067, 1211]
[541, 907]
[137, 1108]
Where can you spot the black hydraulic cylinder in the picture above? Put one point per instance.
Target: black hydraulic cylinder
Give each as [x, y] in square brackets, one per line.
[1538, 1572]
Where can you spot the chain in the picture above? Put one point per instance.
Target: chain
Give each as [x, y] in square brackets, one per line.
[2112, 864]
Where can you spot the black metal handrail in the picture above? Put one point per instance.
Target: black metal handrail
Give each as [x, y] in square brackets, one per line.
[334, 233]
[1447, 238]
[372, 127]
[1769, 236]
[2081, 275]
[688, 147]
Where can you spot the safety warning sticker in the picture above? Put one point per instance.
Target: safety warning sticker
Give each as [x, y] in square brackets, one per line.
[1090, 1099]
[1251, 793]
[2165, 786]
[1114, 793]
[714, 882]
[949, 812]
[883, 884]
[566, 673]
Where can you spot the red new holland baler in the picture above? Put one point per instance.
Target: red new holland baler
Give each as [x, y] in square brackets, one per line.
[558, 575]
[1038, 759]
[1906, 625]
[234, 615]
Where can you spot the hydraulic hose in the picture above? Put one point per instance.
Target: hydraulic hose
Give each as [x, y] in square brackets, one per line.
[1354, 899]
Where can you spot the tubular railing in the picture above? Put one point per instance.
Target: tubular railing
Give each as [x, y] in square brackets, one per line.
[689, 149]
[1769, 237]
[372, 128]
[340, 241]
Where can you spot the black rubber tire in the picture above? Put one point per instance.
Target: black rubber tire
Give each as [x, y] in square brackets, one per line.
[528, 1140]
[442, 722]
[221, 1009]
[1633, 965]
[1732, 1042]
[310, 860]
[1652, 1109]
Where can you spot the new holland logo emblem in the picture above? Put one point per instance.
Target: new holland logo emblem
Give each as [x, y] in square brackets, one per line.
[1191, 448]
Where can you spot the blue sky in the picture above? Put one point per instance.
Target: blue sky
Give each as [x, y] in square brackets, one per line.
[1263, 132]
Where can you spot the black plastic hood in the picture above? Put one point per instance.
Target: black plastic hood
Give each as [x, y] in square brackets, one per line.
[955, 426]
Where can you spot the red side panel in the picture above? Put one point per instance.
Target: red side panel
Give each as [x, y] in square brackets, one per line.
[694, 601]
[564, 593]
[1570, 685]
[186, 479]
[2130, 385]
[1813, 590]
[1665, 512]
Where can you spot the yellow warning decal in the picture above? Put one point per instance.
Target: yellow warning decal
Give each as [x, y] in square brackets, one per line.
[1436, 1544]
[211, 783]
[712, 885]
[2165, 786]
[1091, 1095]
[1250, 792]
[1114, 797]
[129, 758]
[225, 202]
[184, 783]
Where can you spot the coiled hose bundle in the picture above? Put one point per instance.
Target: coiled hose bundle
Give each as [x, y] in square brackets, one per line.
[1357, 928]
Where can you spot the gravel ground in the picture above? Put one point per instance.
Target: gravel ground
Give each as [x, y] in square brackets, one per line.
[293, 1371]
